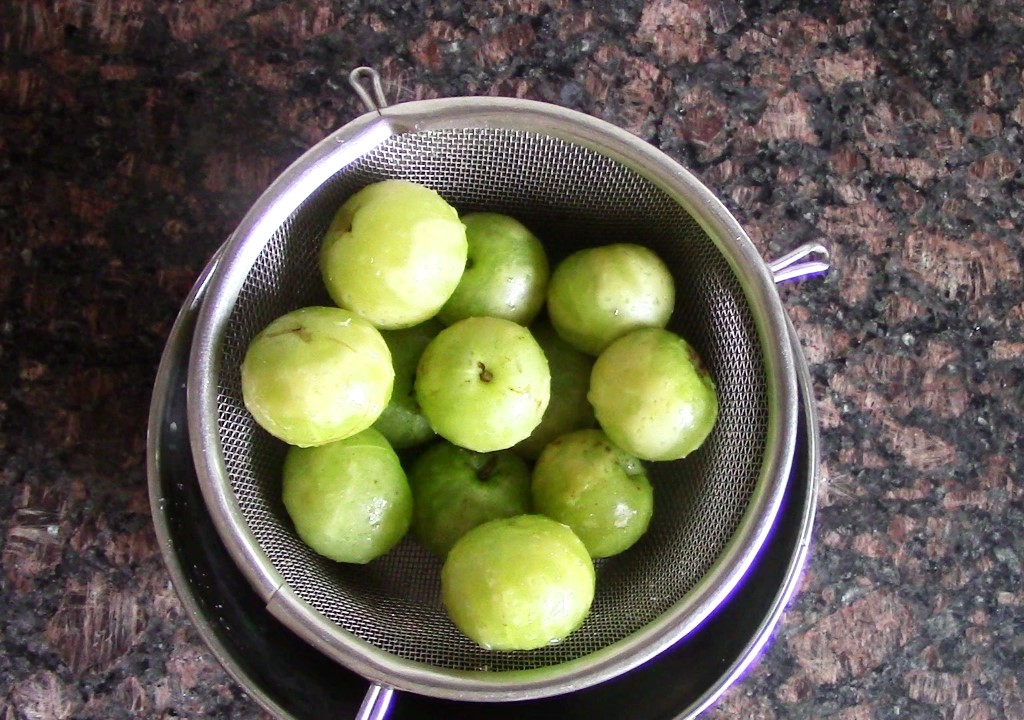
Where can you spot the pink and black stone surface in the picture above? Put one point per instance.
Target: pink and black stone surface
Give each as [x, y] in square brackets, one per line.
[136, 134]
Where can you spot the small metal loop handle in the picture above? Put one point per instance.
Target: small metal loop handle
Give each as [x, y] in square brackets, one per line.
[358, 78]
[793, 266]
[376, 702]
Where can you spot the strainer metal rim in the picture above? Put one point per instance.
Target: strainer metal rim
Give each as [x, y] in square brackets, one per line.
[279, 201]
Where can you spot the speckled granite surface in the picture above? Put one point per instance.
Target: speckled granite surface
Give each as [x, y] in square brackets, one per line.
[135, 133]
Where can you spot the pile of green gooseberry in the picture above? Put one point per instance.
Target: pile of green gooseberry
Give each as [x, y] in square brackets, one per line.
[463, 390]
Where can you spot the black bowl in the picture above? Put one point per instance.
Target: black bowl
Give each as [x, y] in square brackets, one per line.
[251, 644]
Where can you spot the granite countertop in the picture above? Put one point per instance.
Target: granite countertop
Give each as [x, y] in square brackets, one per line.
[136, 134]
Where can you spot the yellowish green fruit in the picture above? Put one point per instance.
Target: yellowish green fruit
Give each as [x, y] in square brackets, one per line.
[599, 490]
[394, 253]
[455, 489]
[315, 375]
[653, 396]
[349, 500]
[506, 271]
[569, 408]
[518, 583]
[601, 293]
[483, 383]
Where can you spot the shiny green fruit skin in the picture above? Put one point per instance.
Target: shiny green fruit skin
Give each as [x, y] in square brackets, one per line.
[315, 375]
[506, 272]
[403, 422]
[455, 489]
[393, 253]
[653, 396]
[569, 408]
[518, 583]
[599, 294]
[483, 383]
[349, 500]
[599, 490]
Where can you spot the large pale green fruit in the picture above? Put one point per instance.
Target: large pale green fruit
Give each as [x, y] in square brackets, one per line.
[317, 374]
[653, 396]
[599, 490]
[349, 500]
[394, 253]
[483, 383]
[455, 489]
[601, 293]
[518, 583]
[506, 272]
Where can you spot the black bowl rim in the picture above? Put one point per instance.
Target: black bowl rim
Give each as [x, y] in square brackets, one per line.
[176, 352]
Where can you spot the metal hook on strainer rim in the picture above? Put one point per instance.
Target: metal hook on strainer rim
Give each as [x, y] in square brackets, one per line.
[358, 79]
[573, 178]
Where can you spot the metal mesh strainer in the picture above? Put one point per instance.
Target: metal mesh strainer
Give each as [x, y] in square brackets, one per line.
[575, 181]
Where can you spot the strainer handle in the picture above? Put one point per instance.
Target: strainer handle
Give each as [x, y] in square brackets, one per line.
[376, 703]
[375, 102]
[794, 265]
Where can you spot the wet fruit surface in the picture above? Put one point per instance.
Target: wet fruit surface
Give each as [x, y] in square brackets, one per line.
[518, 583]
[349, 500]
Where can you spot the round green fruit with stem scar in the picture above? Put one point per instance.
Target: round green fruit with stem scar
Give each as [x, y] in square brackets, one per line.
[569, 408]
[315, 375]
[403, 422]
[455, 489]
[506, 271]
[394, 253]
[349, 500]
[518, 583]
[483, 383]
[653, 396]
[599, 294]
[596, 488]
